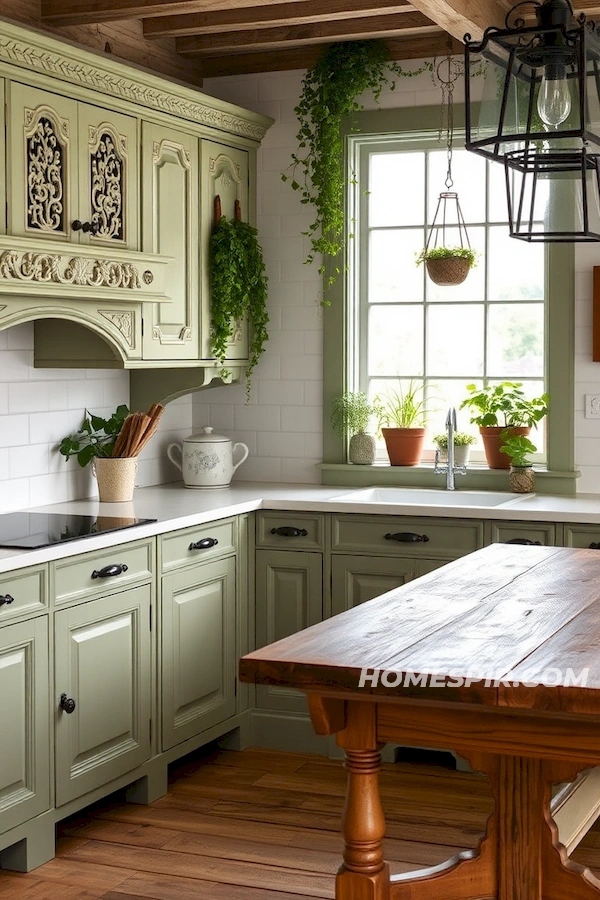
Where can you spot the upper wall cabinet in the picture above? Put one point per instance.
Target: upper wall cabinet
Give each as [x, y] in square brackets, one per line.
[74, 170]
[170, 227]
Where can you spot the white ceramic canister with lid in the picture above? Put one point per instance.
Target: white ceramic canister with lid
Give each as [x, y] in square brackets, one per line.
[205, 459]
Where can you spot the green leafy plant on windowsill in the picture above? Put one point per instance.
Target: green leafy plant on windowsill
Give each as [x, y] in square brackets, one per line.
[461, 439]
[504, 404]
[517, 447]
[95, 438]
[403, 408]
[238, 286]
[329, 93]
[350, 413]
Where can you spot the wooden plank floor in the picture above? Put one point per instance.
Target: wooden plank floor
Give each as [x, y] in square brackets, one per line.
[257, 825]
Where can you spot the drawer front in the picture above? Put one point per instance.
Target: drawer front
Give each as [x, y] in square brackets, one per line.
[23, 591]
[213, 540]
[417, 537]
[582, 536]
[289, 530]
[89, 575]
[544, 533]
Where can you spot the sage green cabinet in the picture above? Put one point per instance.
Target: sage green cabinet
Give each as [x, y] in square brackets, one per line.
[74, 170]
[199, 661]
[170, 227]
[289, 597]
[356, 579]
[102, 665]
[544, 533]
[225, 173]
[25, 718]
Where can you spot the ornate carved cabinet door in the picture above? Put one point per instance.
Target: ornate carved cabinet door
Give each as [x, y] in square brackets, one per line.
[170, 227]
[42, 163]
[225, 171]
[108, 177]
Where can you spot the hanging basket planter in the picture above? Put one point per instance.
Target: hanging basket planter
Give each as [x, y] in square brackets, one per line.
[448, 271]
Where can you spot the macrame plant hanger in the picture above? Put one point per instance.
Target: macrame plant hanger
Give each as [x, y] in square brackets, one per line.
[448, 229]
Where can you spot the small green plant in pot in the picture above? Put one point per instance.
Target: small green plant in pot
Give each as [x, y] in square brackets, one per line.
[447, 265]
[518, 448]
[496, 407]
[401, 415]
[350, 415]
[462, 446]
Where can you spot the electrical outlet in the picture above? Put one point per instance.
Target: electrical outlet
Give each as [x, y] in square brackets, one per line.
[592, 406]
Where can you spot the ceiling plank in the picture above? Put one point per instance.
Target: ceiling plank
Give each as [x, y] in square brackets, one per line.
[414, 47]
[460, 17]
[296, 35]
[299, 13]
[86, 12]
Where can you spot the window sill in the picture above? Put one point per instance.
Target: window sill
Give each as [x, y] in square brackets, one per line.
[477, 477]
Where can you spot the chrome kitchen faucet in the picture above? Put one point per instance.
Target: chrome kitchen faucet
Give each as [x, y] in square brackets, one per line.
[449, 470]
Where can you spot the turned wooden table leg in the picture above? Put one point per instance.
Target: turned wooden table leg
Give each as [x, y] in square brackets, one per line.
[364, 875]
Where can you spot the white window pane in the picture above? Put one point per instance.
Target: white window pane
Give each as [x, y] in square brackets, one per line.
[498, 204]
[516, 268]
[449, 393]
[396, 189]
[395, 341]
[516, 340]
[455, 340]
[468, 174]
[394, 276]
[473, 287]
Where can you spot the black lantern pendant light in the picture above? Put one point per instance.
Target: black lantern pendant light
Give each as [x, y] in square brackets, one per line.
[539, 115]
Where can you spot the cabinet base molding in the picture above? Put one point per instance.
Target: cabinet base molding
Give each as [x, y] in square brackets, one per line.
[286, 731]
[30, 845]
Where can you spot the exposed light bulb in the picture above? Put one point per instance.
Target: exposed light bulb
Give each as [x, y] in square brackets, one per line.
[554, 97]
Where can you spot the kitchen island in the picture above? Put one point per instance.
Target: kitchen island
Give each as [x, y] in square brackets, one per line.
[494, 655]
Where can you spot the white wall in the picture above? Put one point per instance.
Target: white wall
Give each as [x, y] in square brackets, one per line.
[283, 424]
[38, 407]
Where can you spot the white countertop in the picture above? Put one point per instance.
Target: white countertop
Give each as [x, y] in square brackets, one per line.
[175, 506]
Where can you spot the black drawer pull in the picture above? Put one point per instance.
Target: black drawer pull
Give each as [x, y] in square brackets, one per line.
[407, 537]
[109, 571]
[594, 546]
[86, 227]
[525, 541]
[204, 544]
[289, 531]
[6, 600]
[67, 704]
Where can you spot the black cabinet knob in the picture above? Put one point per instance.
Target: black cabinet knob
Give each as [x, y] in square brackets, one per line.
[86, 227]
[6, 599]
[109, 571]
[289, 531]
[407, 537]
[203, 544]
[67, 704]
[594, 545]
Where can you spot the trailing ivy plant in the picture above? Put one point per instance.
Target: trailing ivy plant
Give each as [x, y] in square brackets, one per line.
[329, 93]
[238, 288]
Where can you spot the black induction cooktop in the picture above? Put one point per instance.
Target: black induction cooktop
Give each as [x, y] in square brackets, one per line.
[30, 530]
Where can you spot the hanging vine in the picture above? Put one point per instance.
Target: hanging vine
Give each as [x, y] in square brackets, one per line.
[329, 93]
[238, 286]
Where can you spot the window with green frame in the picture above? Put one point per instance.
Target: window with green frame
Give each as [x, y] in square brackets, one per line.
[512, 319]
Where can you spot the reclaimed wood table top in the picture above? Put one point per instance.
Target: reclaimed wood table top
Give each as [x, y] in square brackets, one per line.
[519, 626]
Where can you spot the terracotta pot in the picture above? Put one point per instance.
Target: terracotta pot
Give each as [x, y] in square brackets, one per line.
[404, 445]
[490, 435]
[521, 479]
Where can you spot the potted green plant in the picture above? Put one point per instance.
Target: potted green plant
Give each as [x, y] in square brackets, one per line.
[401, 415]
[497, 407]
[447, 265]
[350, 415]
[462, 446]
[518, 448]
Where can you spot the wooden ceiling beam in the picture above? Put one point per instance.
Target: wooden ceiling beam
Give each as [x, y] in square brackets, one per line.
[90, 12]
[413, 47]
[460, 17]
[297, 35]
[297, 13]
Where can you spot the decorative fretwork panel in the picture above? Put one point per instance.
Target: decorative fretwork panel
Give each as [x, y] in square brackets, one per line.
[107, 181]
[46, 175]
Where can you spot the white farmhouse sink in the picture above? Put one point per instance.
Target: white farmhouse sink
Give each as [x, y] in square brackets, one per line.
[430, 497]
